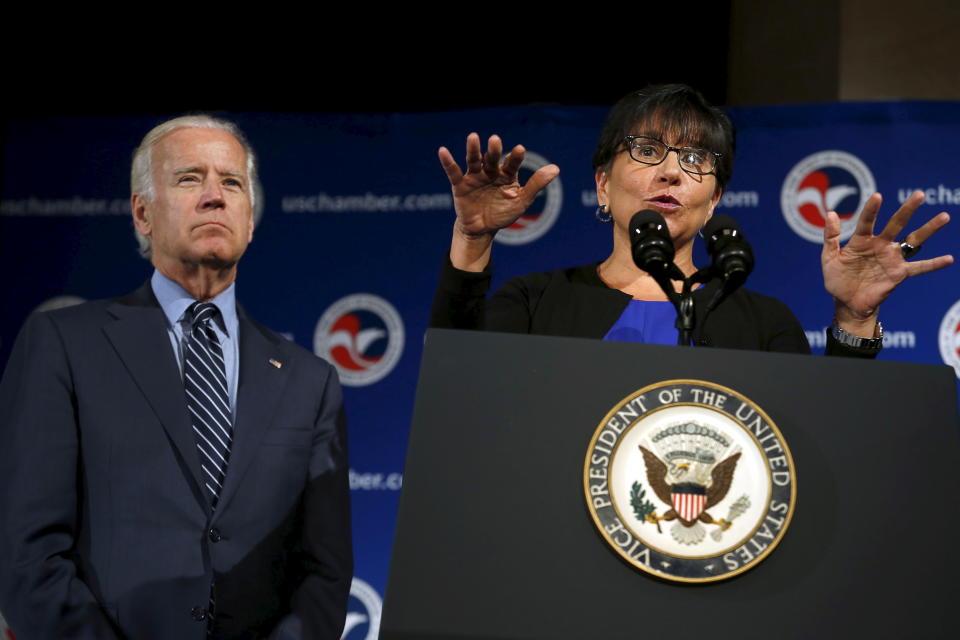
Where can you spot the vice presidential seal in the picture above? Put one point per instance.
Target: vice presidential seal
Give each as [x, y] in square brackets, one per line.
[690, 481]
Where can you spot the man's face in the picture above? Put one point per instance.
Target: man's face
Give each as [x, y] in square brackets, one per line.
[201, 213]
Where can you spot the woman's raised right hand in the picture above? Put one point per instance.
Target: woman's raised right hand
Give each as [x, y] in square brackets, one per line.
[489, 197]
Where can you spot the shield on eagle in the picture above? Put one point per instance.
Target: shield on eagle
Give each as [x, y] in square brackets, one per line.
[688, 500]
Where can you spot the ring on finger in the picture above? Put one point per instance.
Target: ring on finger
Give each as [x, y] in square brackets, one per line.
[908, 250]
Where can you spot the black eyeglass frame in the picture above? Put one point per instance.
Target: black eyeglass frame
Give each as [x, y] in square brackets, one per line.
[628, 147]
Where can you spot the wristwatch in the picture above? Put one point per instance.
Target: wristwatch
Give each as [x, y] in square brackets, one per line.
[848, 339]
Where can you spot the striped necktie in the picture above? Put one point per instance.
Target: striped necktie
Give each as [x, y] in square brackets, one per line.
[205, 383]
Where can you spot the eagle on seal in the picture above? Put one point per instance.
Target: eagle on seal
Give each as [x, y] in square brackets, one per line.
[690, 497]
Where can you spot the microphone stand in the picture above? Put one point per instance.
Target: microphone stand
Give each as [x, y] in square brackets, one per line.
[683, 301]
[686, 318]
[663, 271]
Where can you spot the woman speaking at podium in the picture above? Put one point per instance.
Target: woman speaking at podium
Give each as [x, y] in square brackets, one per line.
[663, 148]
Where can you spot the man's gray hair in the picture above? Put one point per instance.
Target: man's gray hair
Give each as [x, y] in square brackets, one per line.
[141, 172]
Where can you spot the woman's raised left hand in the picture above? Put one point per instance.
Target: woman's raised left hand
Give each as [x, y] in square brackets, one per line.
[869, 267]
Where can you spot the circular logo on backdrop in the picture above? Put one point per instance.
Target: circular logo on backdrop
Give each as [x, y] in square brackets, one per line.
[950, 337]
[689, 481]
[363, 612]
[541, 214]
[362, 336]
[825, 181]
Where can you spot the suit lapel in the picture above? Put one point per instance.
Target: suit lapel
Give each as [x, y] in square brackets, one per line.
[259, 389]
[140, 338]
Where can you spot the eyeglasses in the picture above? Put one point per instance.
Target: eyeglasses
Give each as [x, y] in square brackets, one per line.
[652, 151]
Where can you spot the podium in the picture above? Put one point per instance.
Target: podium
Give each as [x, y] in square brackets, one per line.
[495, 541]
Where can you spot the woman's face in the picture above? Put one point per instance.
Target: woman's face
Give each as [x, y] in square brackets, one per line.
[686, 201]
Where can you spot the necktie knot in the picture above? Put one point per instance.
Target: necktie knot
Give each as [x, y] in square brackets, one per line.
[201, 313]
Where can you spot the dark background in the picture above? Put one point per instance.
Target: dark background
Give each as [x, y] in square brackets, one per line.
[319, 61]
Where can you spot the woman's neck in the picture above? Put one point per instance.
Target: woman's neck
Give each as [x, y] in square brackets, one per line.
[619, 272]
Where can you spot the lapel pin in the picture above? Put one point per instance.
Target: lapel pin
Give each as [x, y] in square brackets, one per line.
[276, 363]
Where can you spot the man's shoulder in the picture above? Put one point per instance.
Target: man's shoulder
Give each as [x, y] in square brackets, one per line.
[83, 313]
[77, 328]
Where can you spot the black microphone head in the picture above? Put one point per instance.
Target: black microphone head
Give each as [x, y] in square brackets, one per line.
[650, 242]
[644, 218]
[720, 221]
[730, 251]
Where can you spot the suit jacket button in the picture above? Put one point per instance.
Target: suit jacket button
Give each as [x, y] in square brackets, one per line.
[199, 614]
[214, 535]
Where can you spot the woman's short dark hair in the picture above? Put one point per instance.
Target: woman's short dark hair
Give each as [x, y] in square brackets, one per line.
[669, 112]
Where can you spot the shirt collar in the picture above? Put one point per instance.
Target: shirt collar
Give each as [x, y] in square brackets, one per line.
[174, 300]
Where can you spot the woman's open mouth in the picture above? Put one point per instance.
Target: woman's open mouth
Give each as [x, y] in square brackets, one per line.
[666, 202]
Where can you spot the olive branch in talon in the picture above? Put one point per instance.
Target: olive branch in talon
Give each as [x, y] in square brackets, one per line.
[643, 509]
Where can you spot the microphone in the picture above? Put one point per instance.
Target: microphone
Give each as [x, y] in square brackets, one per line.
[731, 253]
[653, 251]
[650, 243]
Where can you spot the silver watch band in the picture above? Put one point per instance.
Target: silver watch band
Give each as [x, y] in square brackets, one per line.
[873, 344]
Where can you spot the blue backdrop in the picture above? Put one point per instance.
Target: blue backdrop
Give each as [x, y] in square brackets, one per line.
[358, 216]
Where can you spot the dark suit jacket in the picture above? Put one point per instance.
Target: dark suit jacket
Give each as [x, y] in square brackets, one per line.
[575, 302]
[106, 532]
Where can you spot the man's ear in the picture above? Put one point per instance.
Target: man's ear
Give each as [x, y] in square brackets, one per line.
[141, 220]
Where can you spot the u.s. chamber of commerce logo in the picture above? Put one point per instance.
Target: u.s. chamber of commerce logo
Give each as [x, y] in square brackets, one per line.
[825, 181]
[362, 336]
[690, 481]
[363, 612]
[950, 337]
[541, 214]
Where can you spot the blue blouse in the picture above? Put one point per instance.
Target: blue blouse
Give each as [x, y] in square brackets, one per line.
[649, 321]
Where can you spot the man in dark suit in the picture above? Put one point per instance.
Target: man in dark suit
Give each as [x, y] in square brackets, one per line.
[169, 468]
